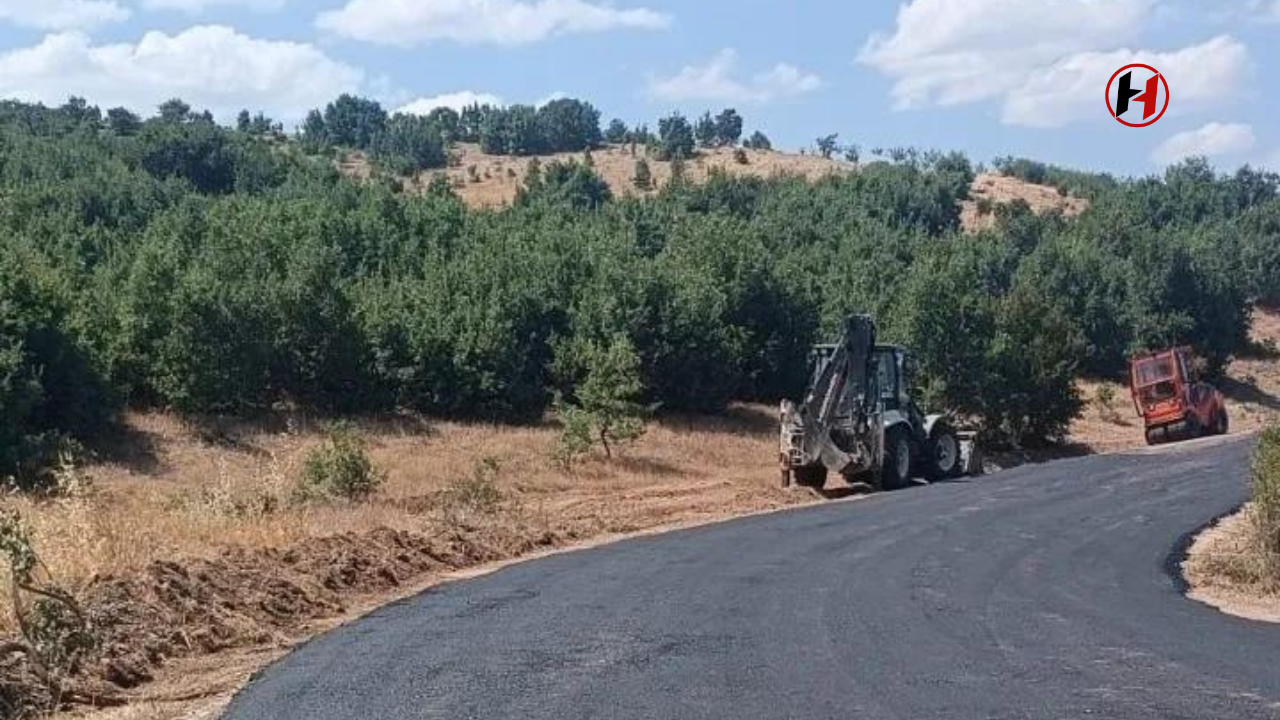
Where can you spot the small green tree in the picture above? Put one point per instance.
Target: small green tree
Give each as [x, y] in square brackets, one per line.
[728, 127]
[605, 411]
[828, 144]
[643, 178]
[675, 137]
[705, 131]
[758, 141]
[617, 132]
[340, 467]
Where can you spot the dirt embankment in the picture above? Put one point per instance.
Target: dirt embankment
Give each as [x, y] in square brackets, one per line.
[195, 566]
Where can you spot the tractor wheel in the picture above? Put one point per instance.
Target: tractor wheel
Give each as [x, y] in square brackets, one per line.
[814, 476]
[942, 454]
[896, 473]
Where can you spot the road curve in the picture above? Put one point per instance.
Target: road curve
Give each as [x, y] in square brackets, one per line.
[1043, 592]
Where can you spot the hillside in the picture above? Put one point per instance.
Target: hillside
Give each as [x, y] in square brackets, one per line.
[491, 181]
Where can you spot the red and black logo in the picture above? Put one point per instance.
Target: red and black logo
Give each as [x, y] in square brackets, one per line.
[1135, 88]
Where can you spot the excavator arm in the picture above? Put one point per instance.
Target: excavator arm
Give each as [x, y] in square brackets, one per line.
[837, 426]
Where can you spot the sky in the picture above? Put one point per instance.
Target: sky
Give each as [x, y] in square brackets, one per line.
[988, 77]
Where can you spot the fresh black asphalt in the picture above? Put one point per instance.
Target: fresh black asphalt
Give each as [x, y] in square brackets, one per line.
[1044, 592]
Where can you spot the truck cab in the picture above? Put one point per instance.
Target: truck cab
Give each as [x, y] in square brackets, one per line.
[1173, 403]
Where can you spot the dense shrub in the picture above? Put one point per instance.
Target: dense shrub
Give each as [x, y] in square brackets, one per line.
[51, 384]
[339, 467]
[185, 265]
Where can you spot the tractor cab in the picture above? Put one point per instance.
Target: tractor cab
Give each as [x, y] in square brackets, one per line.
[1171, 400]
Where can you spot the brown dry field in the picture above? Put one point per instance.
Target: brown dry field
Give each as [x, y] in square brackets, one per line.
[496, 178]
[188, 549]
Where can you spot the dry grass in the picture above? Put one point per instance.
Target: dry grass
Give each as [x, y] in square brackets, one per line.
[182, 494]
[489, 181]
[500, 176]
[996, 189]
[1229, 568]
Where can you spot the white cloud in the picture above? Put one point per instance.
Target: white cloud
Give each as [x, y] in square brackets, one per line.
[456, 101]
[1212, 140]
[61, 14]
[716, 80]
[196, 6]
[1047, 63]
[500, 22]
[1201, 76]
[955, 51]
[209, 66]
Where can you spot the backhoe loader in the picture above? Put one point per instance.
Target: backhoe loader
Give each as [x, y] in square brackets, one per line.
[859, 420]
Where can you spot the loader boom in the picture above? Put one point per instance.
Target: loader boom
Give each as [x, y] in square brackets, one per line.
[836, 426]
[859, 419]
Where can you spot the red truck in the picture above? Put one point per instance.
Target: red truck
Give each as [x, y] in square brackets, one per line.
[1173, 403]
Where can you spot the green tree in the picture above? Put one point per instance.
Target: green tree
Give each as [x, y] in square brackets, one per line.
[705, 131]
[604, 410]
[174, 111]
[568, 125]
[728, 127]
[828, 144]
[617, 132]
[643, 176]
[675, 137]
[352, 121]
[122, 122]
[758, 141]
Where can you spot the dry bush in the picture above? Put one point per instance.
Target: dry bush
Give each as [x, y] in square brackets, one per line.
[340, 467]
[1266, 503]
[1241, 554]
[474, 494]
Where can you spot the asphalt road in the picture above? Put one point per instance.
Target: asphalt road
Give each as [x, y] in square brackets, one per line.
[1044, 592]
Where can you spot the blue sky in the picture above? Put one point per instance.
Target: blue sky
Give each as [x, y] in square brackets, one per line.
[990, 77]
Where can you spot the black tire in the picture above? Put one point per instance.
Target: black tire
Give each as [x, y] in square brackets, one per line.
[942, 454]
[1194, 428]
[811, 477]
[895, 474]
[1153, 437]
[1224, 423]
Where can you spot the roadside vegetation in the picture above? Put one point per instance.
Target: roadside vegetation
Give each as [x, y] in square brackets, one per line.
[170, 262]
[1266, 507]
[1235, 565]
[174, 271]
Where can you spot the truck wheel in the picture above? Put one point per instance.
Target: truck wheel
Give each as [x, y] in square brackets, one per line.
[896, 473]
[811, 477]
[1224, 423]
[942, 454]
[1153, 437]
